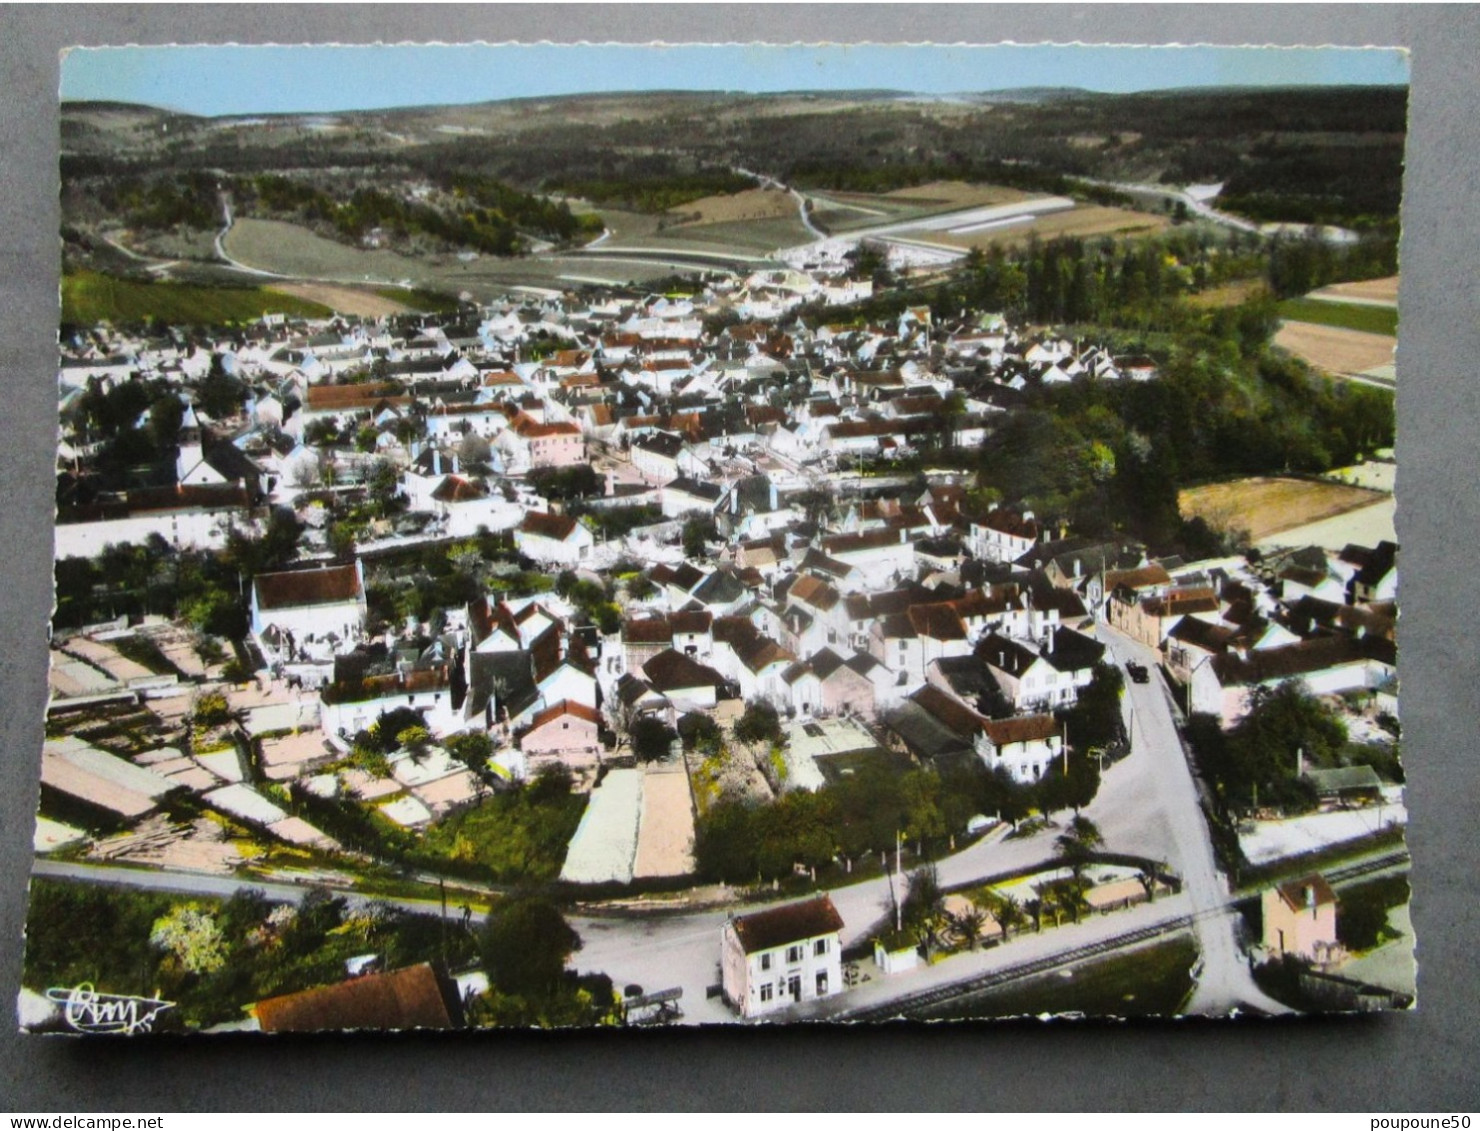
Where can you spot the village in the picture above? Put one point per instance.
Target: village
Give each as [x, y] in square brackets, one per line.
[674, 560]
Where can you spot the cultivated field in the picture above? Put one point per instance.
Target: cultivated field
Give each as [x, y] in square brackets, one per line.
[1084, 222]
[958, 194]
[1383, 291]
[88, 298]
[289, 249]
[1229, 294]
[754, 204]
[1365, 526]
[1264, 506]
[1368, 318]
[1334, 349]
[345, 300]
[844, 212]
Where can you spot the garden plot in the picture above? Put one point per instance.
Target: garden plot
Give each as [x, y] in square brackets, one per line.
[604, 847]
[665, 833]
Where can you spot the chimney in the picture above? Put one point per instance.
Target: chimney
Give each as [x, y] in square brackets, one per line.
[774, 505]
[903, 535]
[1310, 897]
[454, 463]
[436, 461]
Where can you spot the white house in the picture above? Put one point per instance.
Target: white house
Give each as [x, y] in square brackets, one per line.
[775, 958]
[553, 539]
[306, 605]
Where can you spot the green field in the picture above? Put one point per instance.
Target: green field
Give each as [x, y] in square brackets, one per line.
[89, 298]
[1345, 315]
[1151, 982]
[420, 298]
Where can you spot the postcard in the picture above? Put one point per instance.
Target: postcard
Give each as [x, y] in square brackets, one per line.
[608, 535]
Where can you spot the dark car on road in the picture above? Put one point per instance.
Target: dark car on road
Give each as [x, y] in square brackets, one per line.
[1138, 672]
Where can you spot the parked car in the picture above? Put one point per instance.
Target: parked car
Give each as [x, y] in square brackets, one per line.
[1138, 672]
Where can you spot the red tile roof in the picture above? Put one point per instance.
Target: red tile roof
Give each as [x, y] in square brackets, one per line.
[412, 998]
[795, 922]
[558, 527]
[303, 588]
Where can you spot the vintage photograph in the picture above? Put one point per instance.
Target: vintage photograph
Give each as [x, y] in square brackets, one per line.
[610, 535]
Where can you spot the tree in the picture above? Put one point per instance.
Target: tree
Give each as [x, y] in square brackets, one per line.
[967, 926]
[525, 945]
[759, 724]
[1076, 846]
[698, 531]
[651, 738]
[924, 904]
[390, 724]
[382, 482]
[1008, 912]
[192, 937]
[473, 749]
[416, 741]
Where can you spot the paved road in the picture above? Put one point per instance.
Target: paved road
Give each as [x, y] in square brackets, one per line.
[193, 883]
[1195, 206]
[1225, 983]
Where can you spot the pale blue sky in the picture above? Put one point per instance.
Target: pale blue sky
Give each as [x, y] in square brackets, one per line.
[260, 80]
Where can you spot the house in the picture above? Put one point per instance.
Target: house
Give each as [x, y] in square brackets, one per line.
[293, 608]
[1300, 919]
[352, 705]
[1327, 665]
[553, 539]
[1025, 746]
[685, 495]
[1004, 535]
[782, 956]
[416, 997]
[1028, 680]
[656, 457]
[567, 733]
[684, 682]
[195, 518]
[1150, 619]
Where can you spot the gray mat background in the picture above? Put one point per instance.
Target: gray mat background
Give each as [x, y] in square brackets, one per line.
[1421, 1061]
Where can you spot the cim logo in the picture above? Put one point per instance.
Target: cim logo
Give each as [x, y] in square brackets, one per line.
[88, 1011]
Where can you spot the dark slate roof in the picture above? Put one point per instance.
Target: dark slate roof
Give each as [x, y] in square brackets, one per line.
[719, 588]
[673, 671]
[1071, 651]
[1295, 660]
[1006, 654]
[795, 922]
[699, 490]
[968, 677]
[504, 678]
[661, 443]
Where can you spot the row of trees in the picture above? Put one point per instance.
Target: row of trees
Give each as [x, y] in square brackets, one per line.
[739, 840]
[1256, 763]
